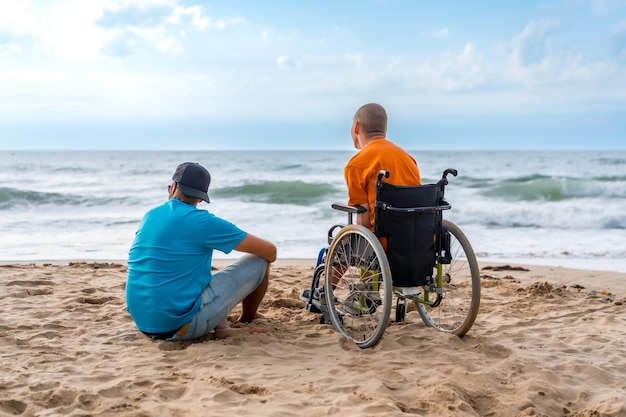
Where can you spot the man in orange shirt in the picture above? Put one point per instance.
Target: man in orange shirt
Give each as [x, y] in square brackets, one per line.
[369, 129]
[376, 153]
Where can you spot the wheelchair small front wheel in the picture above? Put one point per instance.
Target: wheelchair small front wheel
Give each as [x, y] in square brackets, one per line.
[358, 285]
[460, 299]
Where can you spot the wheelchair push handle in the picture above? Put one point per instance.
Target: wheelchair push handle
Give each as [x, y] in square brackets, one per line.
[384, 173]
[444, 178]
[452, 171]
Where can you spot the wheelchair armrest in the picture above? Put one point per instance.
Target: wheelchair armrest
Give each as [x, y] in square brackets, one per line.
[348, 209]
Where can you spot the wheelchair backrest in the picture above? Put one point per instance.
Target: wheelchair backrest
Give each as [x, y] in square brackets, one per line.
[421, 196]
[406, 220]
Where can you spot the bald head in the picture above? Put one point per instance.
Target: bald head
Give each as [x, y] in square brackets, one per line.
[372, 119]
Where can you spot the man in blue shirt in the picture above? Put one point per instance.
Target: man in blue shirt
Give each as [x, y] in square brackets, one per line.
[171, 292]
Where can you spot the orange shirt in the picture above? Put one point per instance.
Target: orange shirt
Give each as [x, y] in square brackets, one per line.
[362, 170]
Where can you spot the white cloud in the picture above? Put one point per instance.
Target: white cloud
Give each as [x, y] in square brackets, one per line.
[69, 32]
[447, 72]
[532, 46]
[163, 59]
[18, 17]
[544, 68]
[78, 30]
[198, 20]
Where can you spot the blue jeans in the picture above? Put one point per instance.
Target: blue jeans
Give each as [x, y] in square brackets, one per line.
[227, 288]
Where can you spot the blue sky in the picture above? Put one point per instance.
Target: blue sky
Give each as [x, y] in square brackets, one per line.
[174, 74]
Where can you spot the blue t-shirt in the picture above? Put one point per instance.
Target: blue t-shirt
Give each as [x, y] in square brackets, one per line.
[169, 263]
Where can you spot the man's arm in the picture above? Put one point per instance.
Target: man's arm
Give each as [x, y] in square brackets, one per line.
[257, 246]
[364, 218]
[357, 191]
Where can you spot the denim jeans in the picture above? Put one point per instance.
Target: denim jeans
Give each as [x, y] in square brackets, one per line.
[227, 288]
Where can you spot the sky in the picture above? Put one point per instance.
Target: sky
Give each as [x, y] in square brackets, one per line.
[284, 74]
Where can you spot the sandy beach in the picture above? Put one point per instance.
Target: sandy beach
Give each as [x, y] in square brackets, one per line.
[548, 341]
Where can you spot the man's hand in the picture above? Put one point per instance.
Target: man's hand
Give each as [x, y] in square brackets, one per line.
[364, 218]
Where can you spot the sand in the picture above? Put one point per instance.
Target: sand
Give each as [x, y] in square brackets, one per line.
[548, 341]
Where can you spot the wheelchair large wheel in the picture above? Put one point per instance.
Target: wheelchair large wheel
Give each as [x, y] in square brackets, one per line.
[458, 304]
[358, 285]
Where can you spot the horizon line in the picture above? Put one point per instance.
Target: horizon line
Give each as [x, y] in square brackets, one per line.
[311, 150]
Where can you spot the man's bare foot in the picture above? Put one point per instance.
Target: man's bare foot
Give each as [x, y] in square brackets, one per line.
[224, 332]
[256, 316]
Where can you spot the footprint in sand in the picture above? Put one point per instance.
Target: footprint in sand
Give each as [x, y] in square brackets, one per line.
[243, 389]
[12, 407]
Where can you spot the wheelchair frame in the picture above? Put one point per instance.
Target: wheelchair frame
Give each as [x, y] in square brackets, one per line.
[357, 289]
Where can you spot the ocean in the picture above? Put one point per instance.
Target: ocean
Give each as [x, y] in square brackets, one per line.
[555, 208]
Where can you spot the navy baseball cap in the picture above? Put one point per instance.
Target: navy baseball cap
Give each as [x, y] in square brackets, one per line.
[193, 180]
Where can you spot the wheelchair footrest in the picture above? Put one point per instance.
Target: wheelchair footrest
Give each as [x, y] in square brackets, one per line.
[317, 304]
[311, 303]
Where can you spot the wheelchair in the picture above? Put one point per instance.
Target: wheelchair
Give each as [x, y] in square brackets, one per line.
[413, 256]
